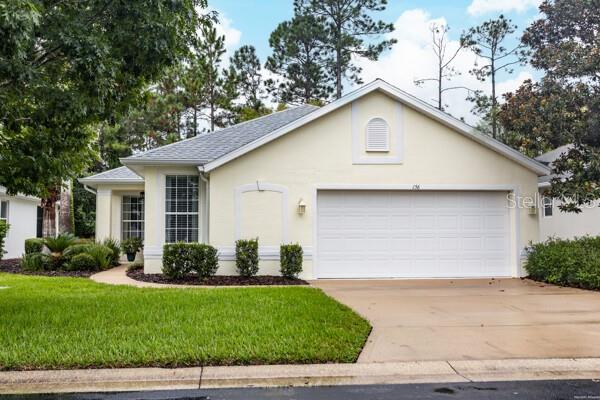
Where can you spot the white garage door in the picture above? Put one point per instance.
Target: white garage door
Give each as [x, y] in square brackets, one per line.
[412, 234]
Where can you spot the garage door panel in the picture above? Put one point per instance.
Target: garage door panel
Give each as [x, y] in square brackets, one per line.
[378, 234]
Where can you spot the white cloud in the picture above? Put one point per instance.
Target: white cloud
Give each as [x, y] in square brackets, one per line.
[413, 58]
[232, 35]
[479, 7]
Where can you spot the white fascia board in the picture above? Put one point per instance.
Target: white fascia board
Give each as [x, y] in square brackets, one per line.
[91, 182]
[404, 98]
[18, 196]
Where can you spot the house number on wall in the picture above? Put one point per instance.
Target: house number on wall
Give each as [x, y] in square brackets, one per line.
[416, 187]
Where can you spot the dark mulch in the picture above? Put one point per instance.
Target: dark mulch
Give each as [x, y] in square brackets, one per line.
[217, 280]
[13, 266]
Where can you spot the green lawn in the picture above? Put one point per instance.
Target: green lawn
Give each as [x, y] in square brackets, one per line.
[53, 323]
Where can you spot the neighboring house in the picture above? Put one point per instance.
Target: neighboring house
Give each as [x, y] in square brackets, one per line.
[556, 223]
[21, 213]
[377, 184]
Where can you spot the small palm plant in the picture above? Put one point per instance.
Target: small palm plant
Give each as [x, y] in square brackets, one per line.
[57, 247]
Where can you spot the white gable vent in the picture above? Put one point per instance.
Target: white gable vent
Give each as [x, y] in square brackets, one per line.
[378, 135]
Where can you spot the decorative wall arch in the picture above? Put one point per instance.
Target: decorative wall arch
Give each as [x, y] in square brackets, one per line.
[262, 187]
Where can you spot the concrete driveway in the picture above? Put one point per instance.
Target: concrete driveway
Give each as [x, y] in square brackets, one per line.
[471, 319]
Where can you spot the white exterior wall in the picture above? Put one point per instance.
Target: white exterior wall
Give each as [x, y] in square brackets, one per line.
[22, 218]
[327, 153]
[569, 225]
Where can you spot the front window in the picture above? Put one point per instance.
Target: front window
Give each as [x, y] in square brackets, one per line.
[548, 203]
[4, 210]
[132, 217]
[181, 209]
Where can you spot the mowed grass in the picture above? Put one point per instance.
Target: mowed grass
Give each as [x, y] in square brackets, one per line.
[61, 323]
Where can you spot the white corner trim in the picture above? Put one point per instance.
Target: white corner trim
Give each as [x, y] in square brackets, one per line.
[405, 99]
[260, 187]
[396, 139]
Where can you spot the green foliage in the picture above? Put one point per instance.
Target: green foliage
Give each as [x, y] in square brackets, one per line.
[564, 44]
[131, 245]
[3, 232]
[84, 211]
[246, 257]
[69, 65]
[101, 255]
[487, 42]
[82, 262]
[135, 266]
[115, 249]
[60, 243]
[350, 30]
[181, 258]
[36, 262]
[566, 262]
[290, 256]
[35, 245]
[300, 58]
[245, 69]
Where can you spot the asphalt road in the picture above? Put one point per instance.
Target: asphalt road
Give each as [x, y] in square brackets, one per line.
[543, 390]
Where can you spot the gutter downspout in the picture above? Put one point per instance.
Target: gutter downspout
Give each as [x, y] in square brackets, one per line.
[204, 178]
[89, 189]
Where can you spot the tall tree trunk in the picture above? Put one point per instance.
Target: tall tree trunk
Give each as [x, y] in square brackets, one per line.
[440, 86]
[494, 127]
[49, 215]
[338, 73]
[65, 224]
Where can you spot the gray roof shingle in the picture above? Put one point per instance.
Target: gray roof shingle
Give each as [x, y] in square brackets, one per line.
[208, 147]
[117, 174]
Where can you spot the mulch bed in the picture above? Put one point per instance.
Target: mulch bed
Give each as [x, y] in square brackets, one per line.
[13, 266]
[217, 280]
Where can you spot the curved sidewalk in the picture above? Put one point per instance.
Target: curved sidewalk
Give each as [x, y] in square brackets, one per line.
[118, 276]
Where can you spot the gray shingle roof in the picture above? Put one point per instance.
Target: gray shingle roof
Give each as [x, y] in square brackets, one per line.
[117, 174]
[207, 147]
[548, 158]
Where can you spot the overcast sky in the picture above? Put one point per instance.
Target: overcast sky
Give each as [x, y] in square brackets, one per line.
[252, 21]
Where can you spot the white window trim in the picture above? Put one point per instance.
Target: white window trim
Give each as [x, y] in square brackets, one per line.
[544, 206]
[197, 213]
[7, 210]
[385, 149]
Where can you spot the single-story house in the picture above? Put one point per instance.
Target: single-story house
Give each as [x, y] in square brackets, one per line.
[556, 223]
[377, 184]
[22, 214]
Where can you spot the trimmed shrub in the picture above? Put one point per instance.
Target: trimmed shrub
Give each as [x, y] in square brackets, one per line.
[101, 255]
[36, 262]
[246, 257]
[290, 257]
[3, 232]
[57, 247]
[115, 248]
[135, 266]
[34, 245]
[181, 258]
[82, 262]
[566, 262]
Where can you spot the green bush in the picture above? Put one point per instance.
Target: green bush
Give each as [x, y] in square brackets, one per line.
[101, 255]
[181, 258]
[115, 248]
[290, 257]
[82, 262]
[34, 245]
[566, 262]
[58, 246]
[3, 232]
[135, 266]
[246, 257]
[36, 262]
[131, 245]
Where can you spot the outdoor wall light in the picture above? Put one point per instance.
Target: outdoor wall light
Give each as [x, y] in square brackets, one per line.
[301, 207]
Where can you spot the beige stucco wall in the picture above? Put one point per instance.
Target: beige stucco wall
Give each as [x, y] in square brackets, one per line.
[569, 225]
[321, 153]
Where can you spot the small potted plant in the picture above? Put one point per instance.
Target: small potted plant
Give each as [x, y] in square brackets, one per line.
[131, 246]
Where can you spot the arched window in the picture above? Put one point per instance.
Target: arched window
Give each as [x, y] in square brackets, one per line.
[378, 135]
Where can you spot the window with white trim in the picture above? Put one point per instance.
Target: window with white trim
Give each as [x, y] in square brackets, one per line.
[4, 210]
[181, 209]
[548, 206]
[132, 217]
[377, 135]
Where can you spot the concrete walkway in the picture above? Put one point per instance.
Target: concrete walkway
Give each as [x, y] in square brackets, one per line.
[475, 319]
[118, 276]
[110, 380]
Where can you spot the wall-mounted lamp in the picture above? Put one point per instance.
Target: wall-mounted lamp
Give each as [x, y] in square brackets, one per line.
[301, 207]
[532, 210]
